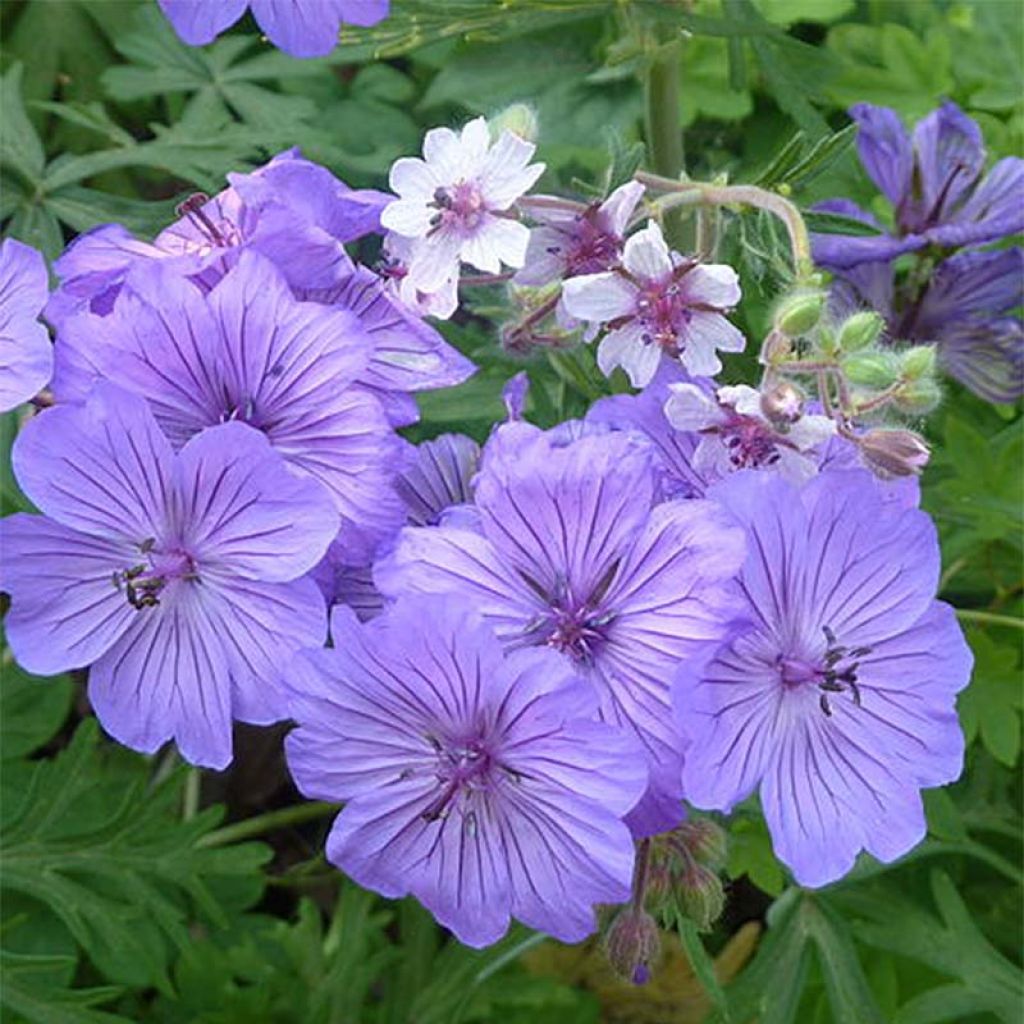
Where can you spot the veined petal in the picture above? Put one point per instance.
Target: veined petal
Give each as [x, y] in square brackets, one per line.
[712, 284]
[26, 355]
[198, 22]
[616, 210]
[690, 407]
[885, 150]
[599, 297]
[302, 30]
[646, 254]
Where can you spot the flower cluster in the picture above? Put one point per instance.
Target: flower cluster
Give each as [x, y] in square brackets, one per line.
[957, 297]
[514, 662]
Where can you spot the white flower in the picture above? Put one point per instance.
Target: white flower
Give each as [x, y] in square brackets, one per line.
[737, 435]
[452, 203]
[658, 304]
[440, 303]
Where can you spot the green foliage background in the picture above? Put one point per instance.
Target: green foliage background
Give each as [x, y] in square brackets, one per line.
[124, 894]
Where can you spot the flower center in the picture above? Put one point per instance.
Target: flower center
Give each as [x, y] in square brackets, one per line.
[460, 206]
[221, 233]
[750, 441]
[834, 672]
[663, 314]
[143, 583]
[462, 766]
[592, 249]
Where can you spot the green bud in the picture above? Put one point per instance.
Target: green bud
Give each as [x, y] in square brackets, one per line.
[705, 840]
[799, 313]
[874, 370]
[918, 362]
[827, 342]
[518, 118]
[701, 895]
[918, 396]
[860, 330]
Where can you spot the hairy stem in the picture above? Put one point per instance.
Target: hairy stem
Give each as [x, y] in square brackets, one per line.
[663, 129]
[269, 822]
[990, 618]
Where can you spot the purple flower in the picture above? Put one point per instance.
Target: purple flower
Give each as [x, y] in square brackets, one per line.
[292, 211]
[839, 702]
[934, 181]
[302, 28]
[248, 351]
[453, 202]
[26, 355]
[658, 304]
[736, 434]
[568, 243]
[408, 355]
[473, 780]
[177, 578]
[964, 308]
[436, 477]
[566, 549]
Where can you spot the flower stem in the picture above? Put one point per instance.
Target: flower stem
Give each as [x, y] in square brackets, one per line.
[663, 128]
[269, 822]
[991, 618]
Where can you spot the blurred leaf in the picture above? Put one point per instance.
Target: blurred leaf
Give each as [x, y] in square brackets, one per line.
[31, 709]
[892, 66]
[21, 149]
[92, 841]
[991, 706]
[705, 87]
[786, 12]
[750, 853]
[21, 994]
[985, 982]
[836, 224]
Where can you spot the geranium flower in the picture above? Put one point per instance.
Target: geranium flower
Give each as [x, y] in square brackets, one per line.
[476, 781]
[26, 355]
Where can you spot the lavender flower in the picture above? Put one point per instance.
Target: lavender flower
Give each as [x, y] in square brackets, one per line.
[569, 243]
[26, 355]
[453, 202]
[302, 28]
[659, 304]
[249, 352]
[839, 702]
[177, 578]
[292, 211]
[934, 181]
[736, 434]
[475, 781]
[964, 308]
[407, 356]
[566, 549]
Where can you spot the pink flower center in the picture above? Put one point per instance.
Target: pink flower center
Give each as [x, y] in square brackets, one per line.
[463, 767]
[591, 249]
[142, 583]
[460, 206]
[751, 442]
[664, 314]
[832, 673]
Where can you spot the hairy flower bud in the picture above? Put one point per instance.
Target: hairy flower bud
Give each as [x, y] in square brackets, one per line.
[918, 396]
[782, 404]
[631, 944]
[894, 452]
[701, 895]
[518, 118]
[860, 331]
[918, 362]
[874, 370]
[705, 840]
[799, 313]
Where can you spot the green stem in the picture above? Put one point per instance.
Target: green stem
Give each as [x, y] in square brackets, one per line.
[272, 821]
[991, 618]
[190, 799]
[663, 128]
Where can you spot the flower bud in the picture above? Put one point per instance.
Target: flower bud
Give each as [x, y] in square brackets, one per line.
[860, 330]
[518, 118]
[874, 370]
[705, 840]
[894, 452]
[799, 313]
[701, 895]
[918, 397]
[918, 362]
[632, 944]
[782, 404]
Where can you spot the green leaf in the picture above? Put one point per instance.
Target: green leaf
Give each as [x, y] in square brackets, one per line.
[105, 852]
[751, 854]
[836, 224]
[786, 12]
[984, 981]
[702, 964]
[990, 708]
[46, 1004]
[31, 709]
[20, 147]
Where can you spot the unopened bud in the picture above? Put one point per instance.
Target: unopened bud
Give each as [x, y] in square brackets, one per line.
[799, 313]
[782, 403]
[518, 118]
[918, 362]
[705, 840]
[701, 895]
[894, 452]
[860, 330]
[874, 370]
[632, 944]
[918, 397]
